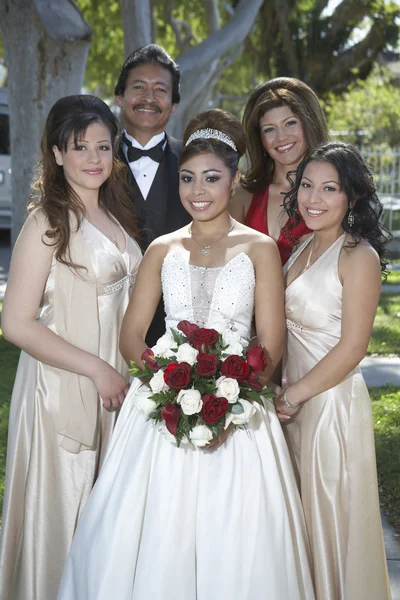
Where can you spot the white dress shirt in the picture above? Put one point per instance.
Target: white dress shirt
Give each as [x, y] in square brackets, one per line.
[144, 170]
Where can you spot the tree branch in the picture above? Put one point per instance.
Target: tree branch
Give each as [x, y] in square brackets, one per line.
[221, 42]
[212, 15]
[282, 13]
[361, 56]
[62, 20]
[183, 41]
[136, 17]
[346, 16]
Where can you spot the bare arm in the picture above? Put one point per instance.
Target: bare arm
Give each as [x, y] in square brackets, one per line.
[30, 268]
[143, 304]
[240, 203]
[269, 304]
[361, 276]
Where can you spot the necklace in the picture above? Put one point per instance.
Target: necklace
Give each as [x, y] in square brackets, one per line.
[206, 250]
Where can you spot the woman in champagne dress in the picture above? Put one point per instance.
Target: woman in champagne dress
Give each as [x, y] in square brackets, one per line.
[282, 119]
[72, 268]
[333, 285]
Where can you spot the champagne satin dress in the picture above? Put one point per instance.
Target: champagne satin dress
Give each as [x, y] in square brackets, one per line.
[332, 444]
[46, 486]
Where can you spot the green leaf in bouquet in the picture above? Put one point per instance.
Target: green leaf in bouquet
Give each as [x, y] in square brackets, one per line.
[135, 369]
[179, 337]
[164, 362]
[181, 431]
[255, 396]
[155, 414]
[162, 398]
[236, 409]
[267, 393]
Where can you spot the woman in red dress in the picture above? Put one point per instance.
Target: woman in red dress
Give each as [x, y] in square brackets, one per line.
[282, 120]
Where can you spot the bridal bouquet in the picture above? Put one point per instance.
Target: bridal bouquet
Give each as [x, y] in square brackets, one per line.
[201, 382]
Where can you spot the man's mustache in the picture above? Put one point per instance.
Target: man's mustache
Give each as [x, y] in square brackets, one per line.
[148, 106]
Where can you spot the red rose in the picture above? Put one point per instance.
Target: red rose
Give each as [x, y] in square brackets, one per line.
[200, 336]
[206, 364]
[213, 408]
[171, 414]
[252, 381]
[186, 327]
[147, 358]
[235, 367]
[177, 375]
[257, 358]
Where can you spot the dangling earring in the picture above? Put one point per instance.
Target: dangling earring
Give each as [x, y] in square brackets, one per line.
[350, 218]
[232, 192]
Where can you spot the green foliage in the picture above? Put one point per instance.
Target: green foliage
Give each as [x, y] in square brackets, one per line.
[9, 355]
[393, 278]
[386, 415]
[106, 53]
[385, 338]
[368, 112]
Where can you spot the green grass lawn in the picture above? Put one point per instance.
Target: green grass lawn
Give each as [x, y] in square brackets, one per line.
[385, 338]
[386, 413]
[393, 278]
[8, 364]
[386, 408]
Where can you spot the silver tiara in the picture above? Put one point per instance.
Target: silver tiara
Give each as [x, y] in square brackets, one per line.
[214, 134]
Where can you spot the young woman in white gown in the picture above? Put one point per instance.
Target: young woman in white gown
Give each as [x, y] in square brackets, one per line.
[66, 319]
[187, 523]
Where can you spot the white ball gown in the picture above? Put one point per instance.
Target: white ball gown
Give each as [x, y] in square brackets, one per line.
[172, 523]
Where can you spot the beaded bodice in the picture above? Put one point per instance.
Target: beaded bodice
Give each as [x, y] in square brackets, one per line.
[208, 296]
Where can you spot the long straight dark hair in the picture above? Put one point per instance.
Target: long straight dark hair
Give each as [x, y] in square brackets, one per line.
[70, 117]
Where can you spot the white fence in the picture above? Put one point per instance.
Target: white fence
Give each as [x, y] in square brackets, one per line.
[385, 166]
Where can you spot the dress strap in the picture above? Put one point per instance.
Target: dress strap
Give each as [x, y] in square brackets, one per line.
[296, 254]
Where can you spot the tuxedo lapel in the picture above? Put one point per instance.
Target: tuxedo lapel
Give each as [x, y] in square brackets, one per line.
[162, 211]
[176, 216]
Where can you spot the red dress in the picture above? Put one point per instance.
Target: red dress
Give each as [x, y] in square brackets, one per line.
[257, 219]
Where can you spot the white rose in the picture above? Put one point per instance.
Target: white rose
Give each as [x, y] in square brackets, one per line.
[165, 346]
[234, 348]
[190, 401]
[244, 417]
[200, 435]
[143, 402]
[228, 388]
[157, 383]
[233, 340]
[219, 323]
[229, 337]
[186, 353]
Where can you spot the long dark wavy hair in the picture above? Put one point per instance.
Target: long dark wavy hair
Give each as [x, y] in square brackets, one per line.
[70, 117]
[356, 181]
[281, 91]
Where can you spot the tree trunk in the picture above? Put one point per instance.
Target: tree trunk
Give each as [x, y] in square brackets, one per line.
[136, 23]
[202, 65]
[46, 45]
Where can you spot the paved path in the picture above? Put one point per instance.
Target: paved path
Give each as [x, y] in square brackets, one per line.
[379, 371]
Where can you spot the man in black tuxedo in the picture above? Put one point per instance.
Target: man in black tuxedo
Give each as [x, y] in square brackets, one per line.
[148, 92]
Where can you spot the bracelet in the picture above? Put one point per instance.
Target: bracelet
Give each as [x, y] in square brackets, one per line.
[286, 401]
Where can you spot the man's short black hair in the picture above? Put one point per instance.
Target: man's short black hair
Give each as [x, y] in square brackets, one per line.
[150, 54]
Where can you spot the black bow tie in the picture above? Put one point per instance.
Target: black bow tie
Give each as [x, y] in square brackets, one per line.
[155, 153]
